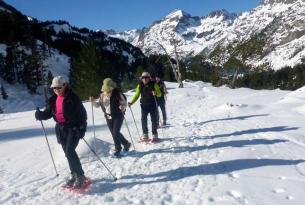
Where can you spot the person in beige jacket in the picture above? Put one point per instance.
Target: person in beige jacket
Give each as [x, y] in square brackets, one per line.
[113, 103]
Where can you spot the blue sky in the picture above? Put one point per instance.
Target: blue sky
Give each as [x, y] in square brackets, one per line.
[121, 14]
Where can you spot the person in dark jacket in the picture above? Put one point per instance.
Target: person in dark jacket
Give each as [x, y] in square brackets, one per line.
[148, 91]
[113, 103]
[70, 115]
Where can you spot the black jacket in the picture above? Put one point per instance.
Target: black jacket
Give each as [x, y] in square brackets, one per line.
[147, 97]
[115, 104]
[74, 111]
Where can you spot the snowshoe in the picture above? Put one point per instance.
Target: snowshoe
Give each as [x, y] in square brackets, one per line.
[70, 182]
[154, 140]
[144, 139]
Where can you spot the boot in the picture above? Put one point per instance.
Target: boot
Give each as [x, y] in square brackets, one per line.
[70, 181]
[116, 153]
[127, 147]
[80, 181]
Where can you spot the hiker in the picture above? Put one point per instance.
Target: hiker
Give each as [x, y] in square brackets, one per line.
[113, 103]
[148, 91]
[161, 100]
[70, 116]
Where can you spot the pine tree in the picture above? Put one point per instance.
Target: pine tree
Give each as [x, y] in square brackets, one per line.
[13, 65]
[10, 64]
[34, 72]
[88, 70]
[1, 65]
[3, 93]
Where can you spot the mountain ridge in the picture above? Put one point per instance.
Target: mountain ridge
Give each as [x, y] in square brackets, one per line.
[281, 22]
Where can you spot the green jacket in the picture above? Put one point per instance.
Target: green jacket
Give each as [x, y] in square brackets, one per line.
[146, 93]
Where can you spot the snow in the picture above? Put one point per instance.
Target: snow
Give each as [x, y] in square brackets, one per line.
[223, 147]
[29, 18]
[61, 28]
[18, 98]
[4, 9]
[130, 58]
[3, 49]
[128, 36]
[58, 64]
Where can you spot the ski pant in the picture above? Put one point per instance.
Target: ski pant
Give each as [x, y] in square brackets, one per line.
[115, 125]
[152, 110]
[161, 104]
[68, 140]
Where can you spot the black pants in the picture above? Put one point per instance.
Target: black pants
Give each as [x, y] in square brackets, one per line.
[152, 110]
[115, 125]
[68, 140]
[161, 104]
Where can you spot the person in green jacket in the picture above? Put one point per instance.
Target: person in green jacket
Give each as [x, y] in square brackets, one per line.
[148, 91]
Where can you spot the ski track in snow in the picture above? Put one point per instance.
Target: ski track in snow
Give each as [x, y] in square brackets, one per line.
[222, 147]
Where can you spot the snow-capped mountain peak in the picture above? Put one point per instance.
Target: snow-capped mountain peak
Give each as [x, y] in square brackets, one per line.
[177, 14]
[223, 13]
[273, 34]
[279, 1]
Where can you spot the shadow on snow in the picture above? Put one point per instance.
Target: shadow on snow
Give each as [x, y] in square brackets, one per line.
[238, 144]
[15, 134]
[224, 167]
[233, 118]
[252, 131]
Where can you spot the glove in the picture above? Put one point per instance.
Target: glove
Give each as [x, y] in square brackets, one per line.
[80, 132]
[122, 108]
[38, 114]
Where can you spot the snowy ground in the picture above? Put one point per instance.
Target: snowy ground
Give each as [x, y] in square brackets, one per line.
[223, 147]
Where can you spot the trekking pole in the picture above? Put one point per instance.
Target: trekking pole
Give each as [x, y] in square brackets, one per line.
[129, 133]
[93, 126]
[156, 103]
[114, 178]
[135, 123]
[45, 134]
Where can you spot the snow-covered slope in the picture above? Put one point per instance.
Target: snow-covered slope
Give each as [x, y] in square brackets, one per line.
[128, 36]
[281, 29]
[222, 147]
[276, 26]
[19, 98]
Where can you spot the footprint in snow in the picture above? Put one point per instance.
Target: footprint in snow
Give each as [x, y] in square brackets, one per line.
[234, 175]
[235, 194]
[278, 190]
[289, 197]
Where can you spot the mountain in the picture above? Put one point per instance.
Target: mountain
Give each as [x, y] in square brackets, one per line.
[130, 36]
[60, 37]
[193, 33]
[272, 34]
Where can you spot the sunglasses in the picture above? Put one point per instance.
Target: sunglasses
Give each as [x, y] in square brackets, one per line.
[145, 77]
[57, 88]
